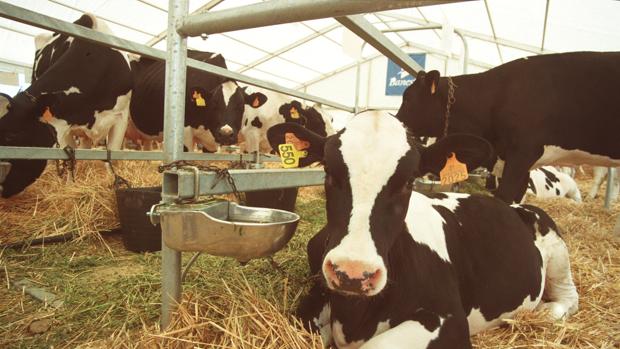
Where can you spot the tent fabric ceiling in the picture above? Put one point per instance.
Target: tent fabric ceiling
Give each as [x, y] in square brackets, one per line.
[276, 53]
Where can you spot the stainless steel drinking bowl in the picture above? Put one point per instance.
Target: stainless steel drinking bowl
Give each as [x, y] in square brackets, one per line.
[224, 228]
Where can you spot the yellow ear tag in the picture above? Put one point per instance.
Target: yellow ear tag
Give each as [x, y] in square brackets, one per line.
[289, 155]
[454, 171]
[292, 150]
[255, 102]
[294, 113]
[47, 115]
[200, 102]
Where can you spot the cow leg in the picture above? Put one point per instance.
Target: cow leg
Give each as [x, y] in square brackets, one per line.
[516, 174]
[314, 312]
[599, 175]
[452, 332]
[188, 138]
[560, 294]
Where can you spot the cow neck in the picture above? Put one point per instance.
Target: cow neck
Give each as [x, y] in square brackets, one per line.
[450, 99]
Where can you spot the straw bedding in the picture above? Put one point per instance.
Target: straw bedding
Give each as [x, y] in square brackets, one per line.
[236, 315]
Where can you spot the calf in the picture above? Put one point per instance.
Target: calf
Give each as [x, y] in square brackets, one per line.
[555, 109]
[264, 108]
[210, 99]
[398, 269]
[85, 87]
[600, 173]
[546, 182]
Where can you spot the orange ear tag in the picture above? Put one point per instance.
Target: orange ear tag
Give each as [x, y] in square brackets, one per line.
[294, 113]
[433, 88]
[454, 171]
[255, 102]
[292, 150]
[47, 115]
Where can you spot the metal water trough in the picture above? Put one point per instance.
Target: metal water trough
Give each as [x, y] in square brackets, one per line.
[223, 228]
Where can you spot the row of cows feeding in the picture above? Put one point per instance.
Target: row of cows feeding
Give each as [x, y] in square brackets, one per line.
[396, 268]
[81, 90]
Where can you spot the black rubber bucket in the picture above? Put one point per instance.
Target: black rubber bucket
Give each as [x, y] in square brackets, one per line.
[138, 234]
[281, 199]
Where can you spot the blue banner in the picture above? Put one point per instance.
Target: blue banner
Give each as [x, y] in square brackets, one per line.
[397, 79]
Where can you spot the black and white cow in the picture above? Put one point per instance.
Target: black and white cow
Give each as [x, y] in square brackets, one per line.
[546, 182]
[267, 108]
[599, 175]
[398, 269]
[211, 101]
[84, 87]
[557, 109]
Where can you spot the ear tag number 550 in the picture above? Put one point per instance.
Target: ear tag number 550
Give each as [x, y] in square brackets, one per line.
[290, 156]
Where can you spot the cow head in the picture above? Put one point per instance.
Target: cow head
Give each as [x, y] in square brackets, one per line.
[230, 100]
[422, 109]
[370, 168]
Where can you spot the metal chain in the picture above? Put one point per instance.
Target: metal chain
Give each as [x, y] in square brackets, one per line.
[220, 173]
[451, 100]
[63, 165]
[118, 179]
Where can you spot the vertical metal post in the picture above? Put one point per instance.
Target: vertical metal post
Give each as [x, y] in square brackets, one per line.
[358, 69]
[465, 50]
[611, 173]
[174, 120]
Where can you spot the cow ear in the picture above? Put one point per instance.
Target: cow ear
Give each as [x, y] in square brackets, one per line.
[5, 103]
[468, 149]
[87, 20]
[303, 139]
[255, 100]
[431, 80]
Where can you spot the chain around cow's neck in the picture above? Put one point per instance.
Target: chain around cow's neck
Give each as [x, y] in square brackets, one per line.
[451, 100]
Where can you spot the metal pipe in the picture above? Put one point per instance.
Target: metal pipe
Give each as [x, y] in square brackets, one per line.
[475, 35]
[287, 11]
[365, 30]
[409, 29]
[544, 34]
[465, 49]
[93, 154]
[499, 52]
[611, 173]
[174, 118]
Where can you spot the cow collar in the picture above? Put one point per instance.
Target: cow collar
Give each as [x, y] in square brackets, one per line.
[451, 87]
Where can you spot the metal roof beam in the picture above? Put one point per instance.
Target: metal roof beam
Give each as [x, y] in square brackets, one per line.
[499, 52]
[544, 34]
[284, 49]
[161, 36]
[20, 14]
[101, 17]
[286, 11]
[365, 30]
[475, 35]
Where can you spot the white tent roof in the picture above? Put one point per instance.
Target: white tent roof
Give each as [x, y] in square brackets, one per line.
[295, 55]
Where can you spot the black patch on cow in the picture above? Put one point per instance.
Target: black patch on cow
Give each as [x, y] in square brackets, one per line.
[531, 186]
[245, 123]
[534, 217]
[315, 122]
[547, 187]
[433, 195]
[256, 122]
[557, 191]
[147, 99]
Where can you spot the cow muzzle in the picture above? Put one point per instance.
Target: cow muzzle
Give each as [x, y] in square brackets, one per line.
[354, 277]
[226, 135]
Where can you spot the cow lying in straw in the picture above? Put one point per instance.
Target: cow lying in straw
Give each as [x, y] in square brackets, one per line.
[398, 269]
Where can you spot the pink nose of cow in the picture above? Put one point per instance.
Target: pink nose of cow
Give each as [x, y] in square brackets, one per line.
[352, 276]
